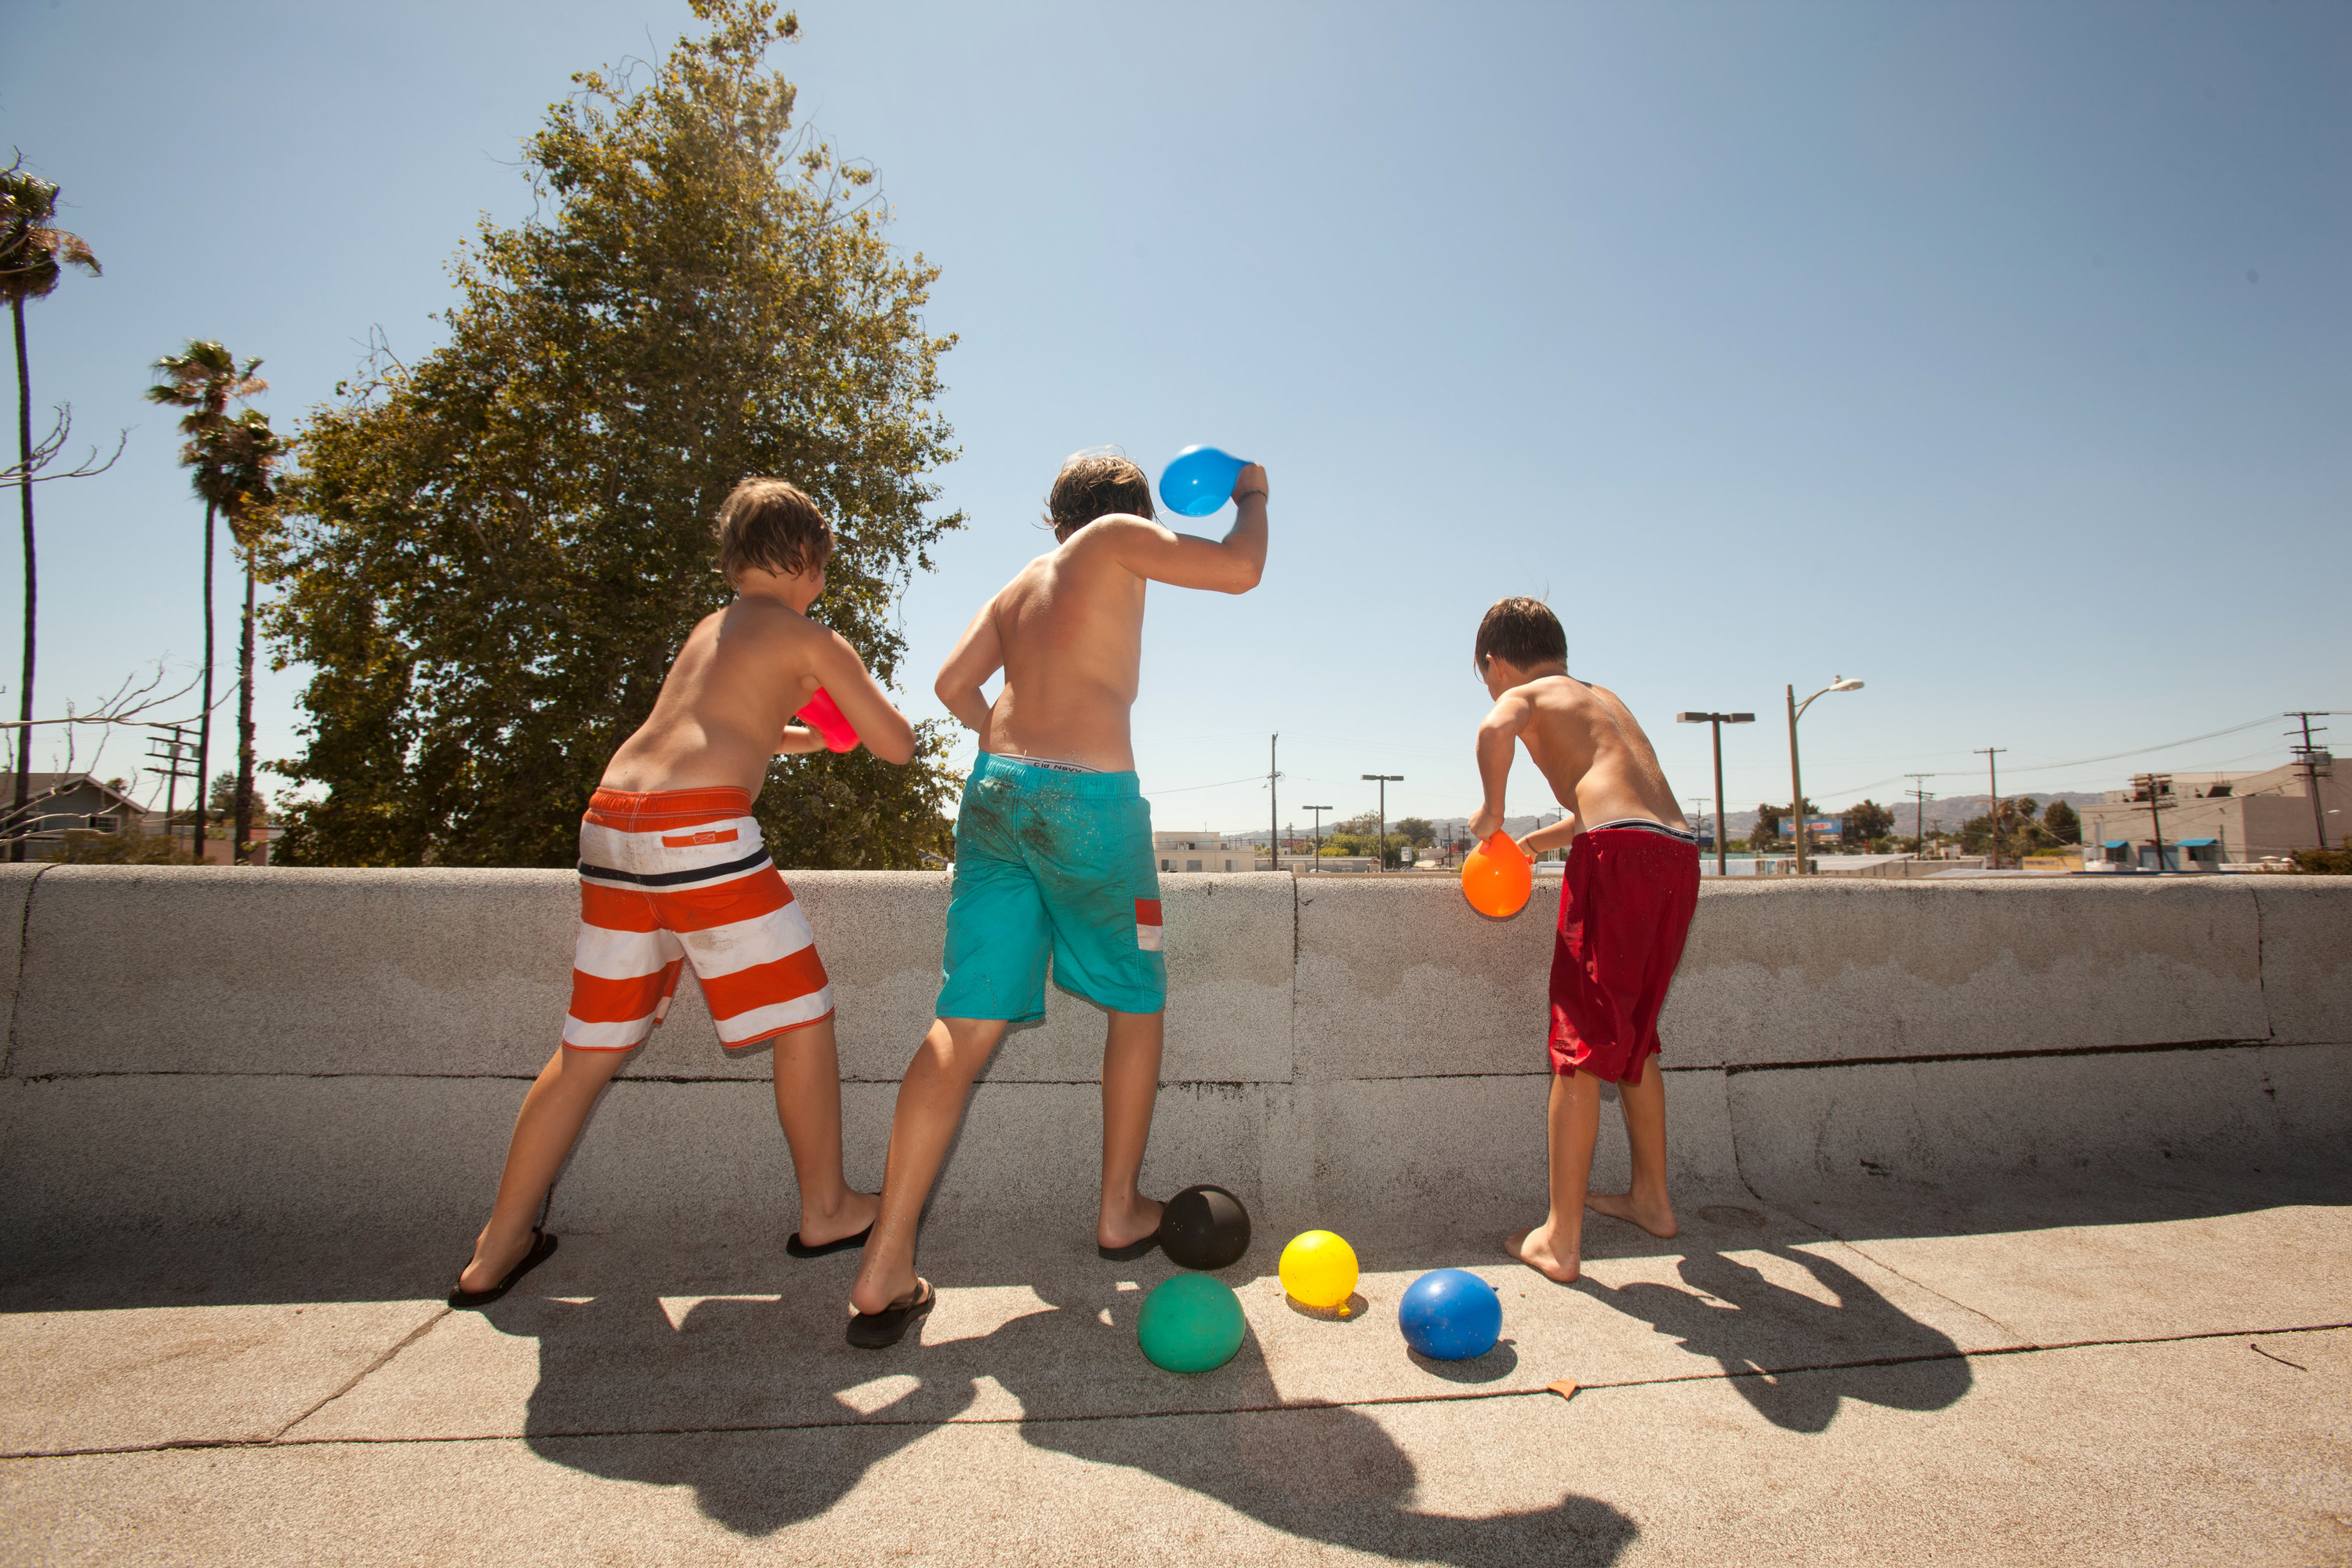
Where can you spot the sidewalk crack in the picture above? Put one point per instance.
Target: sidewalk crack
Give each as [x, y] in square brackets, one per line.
[414, 1334]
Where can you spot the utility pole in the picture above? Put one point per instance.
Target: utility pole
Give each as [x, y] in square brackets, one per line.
[2309, 756]
[1381, 834]
[1718, 720]
[1700, 801]
[1273, 812]
[1992, 754]
[1919, 819]
[1318, 811]
[2148, 786]
[175, 754]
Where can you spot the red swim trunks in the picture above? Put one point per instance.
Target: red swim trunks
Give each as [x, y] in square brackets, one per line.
[1625, 907]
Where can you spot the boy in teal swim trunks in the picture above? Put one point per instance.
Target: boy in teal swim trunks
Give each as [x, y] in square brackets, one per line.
[1053, 851]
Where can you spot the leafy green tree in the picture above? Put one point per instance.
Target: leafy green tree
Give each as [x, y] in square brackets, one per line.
[34, 255]
[1866, 822]
[2065, 825]
[204, 378]
[1767, 831]
[1416, 830]
[489, 558]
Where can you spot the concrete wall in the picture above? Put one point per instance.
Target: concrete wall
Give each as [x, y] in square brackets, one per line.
[281, 1050]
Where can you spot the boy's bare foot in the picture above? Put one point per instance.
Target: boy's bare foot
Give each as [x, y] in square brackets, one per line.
[878, 1287]
[857, 1212]
[491, 1264]
[1537, 1250]
[1127, 1224]
[1656, 1215]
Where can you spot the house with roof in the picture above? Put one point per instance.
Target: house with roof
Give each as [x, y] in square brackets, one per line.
[63, 801]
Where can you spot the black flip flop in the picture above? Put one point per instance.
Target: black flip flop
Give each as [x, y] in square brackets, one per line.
[795, 1247]
[880, 1330]
[1131, 1252]
[542, 1248]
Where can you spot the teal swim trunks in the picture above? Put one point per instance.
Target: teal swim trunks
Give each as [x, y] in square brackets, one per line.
[1057, 862]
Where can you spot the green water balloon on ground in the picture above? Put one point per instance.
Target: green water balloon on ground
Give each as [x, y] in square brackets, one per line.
[1191, 1322]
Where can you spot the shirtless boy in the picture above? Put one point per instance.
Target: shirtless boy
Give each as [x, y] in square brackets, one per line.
[1053, 851]
[672, 871]
[1625, 906]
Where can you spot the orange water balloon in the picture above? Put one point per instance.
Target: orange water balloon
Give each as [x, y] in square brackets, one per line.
[1497, 877]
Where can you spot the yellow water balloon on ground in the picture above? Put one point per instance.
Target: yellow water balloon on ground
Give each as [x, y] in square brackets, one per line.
[1318, 1270]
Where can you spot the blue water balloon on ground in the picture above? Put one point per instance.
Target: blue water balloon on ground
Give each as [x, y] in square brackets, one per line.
[1450, 1314]
[1199, 480]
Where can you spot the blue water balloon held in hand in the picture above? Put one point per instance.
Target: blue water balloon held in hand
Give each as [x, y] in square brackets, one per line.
[1199, 480]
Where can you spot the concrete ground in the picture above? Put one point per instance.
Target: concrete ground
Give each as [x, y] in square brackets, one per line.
[2153, 1372]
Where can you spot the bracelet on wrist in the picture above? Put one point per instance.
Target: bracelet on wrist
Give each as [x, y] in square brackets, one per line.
[1240, 496]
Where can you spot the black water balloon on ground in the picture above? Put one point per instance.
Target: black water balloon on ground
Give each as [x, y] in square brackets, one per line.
[1205, 1228]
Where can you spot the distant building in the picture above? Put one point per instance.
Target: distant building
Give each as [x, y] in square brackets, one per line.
[2211, 818]
[1202, 851]
[63, 801]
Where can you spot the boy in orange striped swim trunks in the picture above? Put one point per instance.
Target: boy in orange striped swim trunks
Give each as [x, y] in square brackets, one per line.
[672, 871]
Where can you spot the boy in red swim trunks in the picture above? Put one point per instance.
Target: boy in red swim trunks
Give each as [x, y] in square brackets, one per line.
[1625, 907]
[672, 871]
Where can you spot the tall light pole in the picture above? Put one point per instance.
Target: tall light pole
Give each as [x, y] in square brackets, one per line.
[1318, 811]
[1381, 835]
[1796, 775]
[1719, 720]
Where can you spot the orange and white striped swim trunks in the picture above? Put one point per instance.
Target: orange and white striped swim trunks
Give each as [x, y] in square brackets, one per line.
[684, 877]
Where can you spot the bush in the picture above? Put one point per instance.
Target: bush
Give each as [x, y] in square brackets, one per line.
[2325, 862]
[81, 846]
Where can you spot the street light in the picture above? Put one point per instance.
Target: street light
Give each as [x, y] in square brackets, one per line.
[1381, 835]
[1796, 778]
[1718, 720]
[1318, 811]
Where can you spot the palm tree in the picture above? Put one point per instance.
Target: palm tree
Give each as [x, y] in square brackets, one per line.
[203, 379]
[34, 255]
[249, 450]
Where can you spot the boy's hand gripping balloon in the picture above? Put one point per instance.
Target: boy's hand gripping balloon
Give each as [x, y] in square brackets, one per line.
[1199, 480]
[825, 717]
[1497, 877]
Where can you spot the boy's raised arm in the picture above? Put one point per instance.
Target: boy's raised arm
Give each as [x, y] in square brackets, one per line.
[978, 655]
[1232, 565]
[880, 727]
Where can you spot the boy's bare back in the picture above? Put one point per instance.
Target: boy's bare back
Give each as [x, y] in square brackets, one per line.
[726, 704]
[1068, 632]
[1592, 750]
[1589, 745]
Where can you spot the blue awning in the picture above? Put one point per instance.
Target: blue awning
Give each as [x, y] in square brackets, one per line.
[2197, 843]
[2116, 844]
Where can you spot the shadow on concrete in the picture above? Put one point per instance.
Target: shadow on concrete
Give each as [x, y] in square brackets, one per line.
[1866, 1208]
[371, 1260]
[1323, 1474]
[1493, 1367]
[1746, 1324]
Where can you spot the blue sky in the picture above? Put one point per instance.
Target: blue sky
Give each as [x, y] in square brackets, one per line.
[2000, 355]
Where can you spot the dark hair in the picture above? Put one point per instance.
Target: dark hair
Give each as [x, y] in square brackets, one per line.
[1096, 484]
[1523, 631]
[772, 523]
